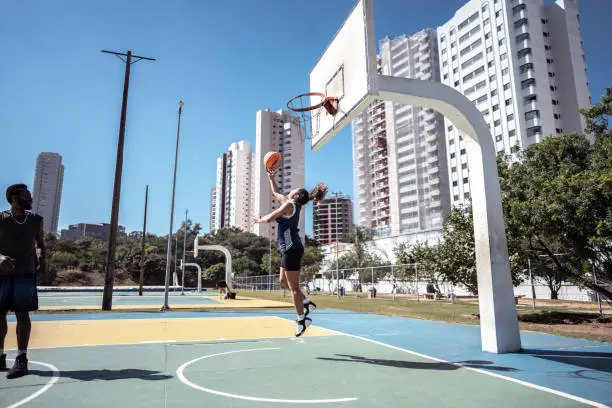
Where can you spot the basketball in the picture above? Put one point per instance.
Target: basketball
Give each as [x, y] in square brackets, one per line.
[272, 160]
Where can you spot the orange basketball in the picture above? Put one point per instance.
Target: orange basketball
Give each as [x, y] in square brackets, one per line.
[272, 160]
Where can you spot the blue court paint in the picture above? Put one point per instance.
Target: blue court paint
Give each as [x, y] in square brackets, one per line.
[574, 366]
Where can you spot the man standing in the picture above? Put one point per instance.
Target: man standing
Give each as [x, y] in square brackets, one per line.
[21, 233]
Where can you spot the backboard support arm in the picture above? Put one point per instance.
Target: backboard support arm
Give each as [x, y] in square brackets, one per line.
[498, 317]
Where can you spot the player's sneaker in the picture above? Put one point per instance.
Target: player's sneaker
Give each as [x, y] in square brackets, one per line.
[307, 307]
[302, 325]
[20, 368]
[3, 362]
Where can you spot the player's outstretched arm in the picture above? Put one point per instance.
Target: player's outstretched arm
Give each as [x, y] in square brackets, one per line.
[284, 209]
[275, 190]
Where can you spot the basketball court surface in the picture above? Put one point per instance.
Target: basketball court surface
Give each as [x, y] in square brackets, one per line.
[251, 359]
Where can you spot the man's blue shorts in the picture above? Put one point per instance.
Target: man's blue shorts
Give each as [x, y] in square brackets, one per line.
[18, 293]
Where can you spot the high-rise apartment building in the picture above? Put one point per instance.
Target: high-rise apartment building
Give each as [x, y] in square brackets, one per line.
[399, 150]
[332, 218]
[277, 131]
[231, 199]
[47, 192]
[522, 63]
[213, 209]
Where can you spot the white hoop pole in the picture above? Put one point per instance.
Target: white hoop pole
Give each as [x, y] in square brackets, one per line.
[498, 317]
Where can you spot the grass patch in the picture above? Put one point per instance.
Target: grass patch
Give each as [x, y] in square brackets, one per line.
[552, 320]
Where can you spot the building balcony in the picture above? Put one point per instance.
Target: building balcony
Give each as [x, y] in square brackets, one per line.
[530, 73]
[529, 91]
[526, 59]
[531, 105]
[533, 122]
[522, 29]
[526, 43]
[520, 14]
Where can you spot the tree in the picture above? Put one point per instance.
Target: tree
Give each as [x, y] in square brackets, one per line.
[215, 272]
[361, 238]
[276, 261]
[311, 262]
[557, 200]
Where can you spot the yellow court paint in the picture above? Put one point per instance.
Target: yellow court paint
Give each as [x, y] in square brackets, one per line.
[128, 331]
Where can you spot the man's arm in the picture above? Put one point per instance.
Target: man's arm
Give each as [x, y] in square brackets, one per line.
[275, 190]
[40, 243]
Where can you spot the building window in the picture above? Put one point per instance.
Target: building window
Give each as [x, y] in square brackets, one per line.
[512, 133]
[497, 123]
[494, 92]
[508, 102]
[452, 156]
[510, 117]
[495, 108]
[465, 180]
[498, 138]
[506, 86]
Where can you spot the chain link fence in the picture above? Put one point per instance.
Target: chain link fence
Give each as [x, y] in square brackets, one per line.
[412, 281]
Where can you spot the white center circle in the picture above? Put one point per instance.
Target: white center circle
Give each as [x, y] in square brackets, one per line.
[185, 381]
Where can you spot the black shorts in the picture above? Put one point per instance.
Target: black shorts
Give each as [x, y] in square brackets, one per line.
[18, 293]
[292, 259]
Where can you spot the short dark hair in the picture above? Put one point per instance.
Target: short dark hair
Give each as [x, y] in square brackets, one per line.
[14, 190]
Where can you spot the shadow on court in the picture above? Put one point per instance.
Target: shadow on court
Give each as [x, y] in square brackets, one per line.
[415, 365]
[106, 375]
[585, 359]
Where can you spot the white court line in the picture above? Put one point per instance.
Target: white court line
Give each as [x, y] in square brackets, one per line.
[184, 380]
[478, 370]
[50, 383]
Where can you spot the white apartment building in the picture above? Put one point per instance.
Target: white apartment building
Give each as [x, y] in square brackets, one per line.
[277, 131]
[232, 194]
[47, 192]
[213, 209]
[522, 63]
[400, 151]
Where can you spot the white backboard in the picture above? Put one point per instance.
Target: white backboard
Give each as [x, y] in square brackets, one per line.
[347, 71]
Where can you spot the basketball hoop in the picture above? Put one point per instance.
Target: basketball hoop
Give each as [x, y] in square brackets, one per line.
[310, 113]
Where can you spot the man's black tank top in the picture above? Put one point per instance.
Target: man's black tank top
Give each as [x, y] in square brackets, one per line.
[18, 240]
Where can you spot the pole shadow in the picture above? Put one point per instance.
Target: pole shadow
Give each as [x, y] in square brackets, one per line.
[592, 360]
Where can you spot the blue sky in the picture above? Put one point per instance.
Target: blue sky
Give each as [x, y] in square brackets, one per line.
[226, 60]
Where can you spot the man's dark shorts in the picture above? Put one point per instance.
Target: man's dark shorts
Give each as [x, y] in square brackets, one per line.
[18, 293]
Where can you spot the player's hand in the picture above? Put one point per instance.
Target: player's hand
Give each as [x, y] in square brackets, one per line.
[271, 172]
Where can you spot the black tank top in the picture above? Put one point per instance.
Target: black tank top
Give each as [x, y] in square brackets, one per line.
[18, 240]
[288, 231]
